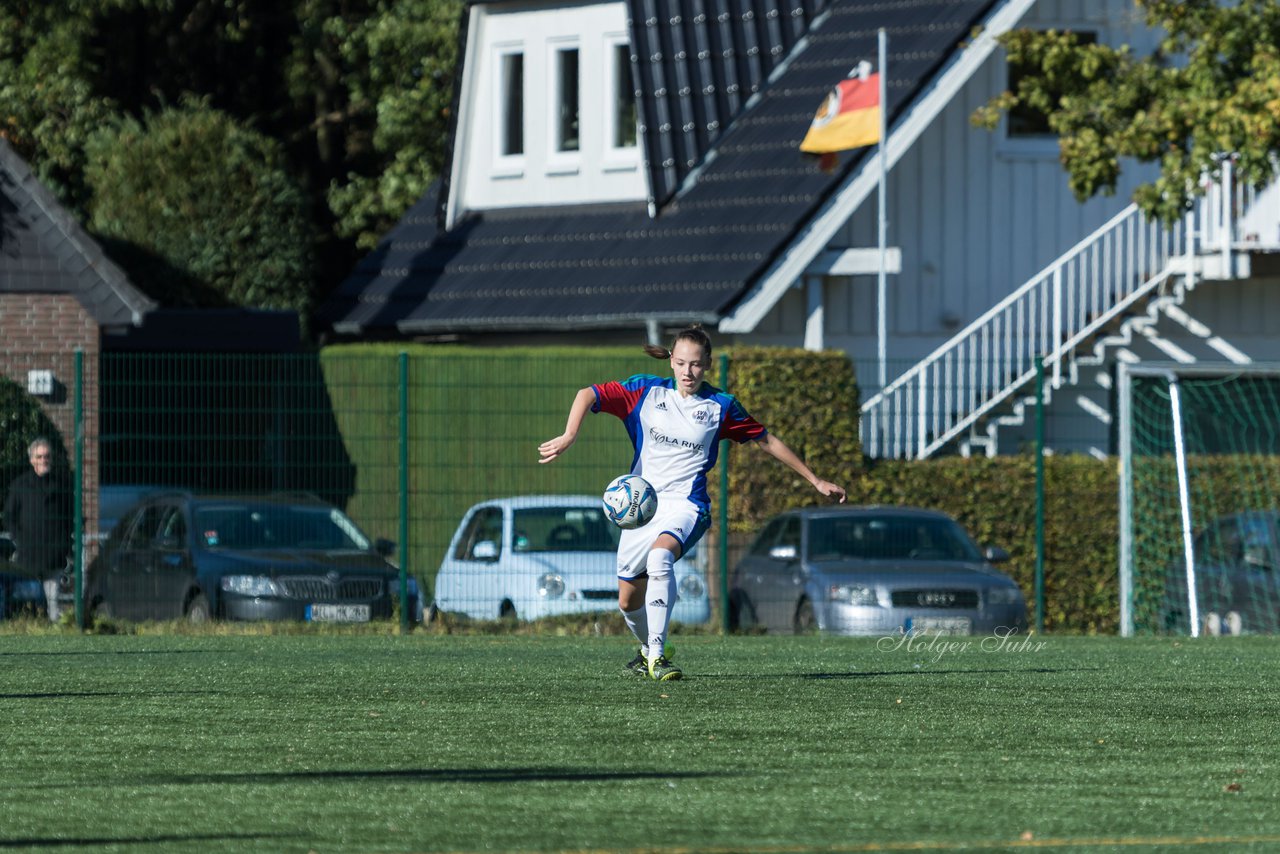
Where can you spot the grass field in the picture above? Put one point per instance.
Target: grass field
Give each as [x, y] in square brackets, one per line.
[425, 743]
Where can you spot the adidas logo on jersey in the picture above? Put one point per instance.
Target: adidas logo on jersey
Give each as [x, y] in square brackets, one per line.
[662, 405]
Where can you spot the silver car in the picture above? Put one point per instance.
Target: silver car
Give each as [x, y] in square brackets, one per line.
[872, 571]
[542, 556]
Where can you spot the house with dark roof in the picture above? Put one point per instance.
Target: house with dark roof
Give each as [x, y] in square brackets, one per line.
[62, 295]
[621, 168]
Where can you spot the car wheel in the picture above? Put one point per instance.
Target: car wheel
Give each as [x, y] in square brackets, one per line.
[507, 611]
[742, 614]
[804, 623]
[100, 610]
[197, 611]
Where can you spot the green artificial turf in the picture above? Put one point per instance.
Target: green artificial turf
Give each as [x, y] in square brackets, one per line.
[476, 743]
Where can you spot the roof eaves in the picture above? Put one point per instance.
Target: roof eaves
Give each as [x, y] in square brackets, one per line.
[544, 324]
[87, 251]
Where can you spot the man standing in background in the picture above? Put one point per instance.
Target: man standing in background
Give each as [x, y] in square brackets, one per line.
[37, 513]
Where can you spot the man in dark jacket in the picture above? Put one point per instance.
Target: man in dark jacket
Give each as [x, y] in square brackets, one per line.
[37, 513]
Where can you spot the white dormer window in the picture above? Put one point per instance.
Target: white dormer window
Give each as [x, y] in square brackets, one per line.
[547, 112]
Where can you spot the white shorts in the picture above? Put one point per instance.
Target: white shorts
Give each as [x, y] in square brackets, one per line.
[677, 516]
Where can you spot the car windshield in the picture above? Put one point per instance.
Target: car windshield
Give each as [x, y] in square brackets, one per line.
[563, 529]
[246, 527]
[888, 538]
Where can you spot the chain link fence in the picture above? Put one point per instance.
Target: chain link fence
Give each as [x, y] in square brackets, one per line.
[375, 482]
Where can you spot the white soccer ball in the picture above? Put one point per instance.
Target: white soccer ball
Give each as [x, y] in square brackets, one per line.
[630, 501]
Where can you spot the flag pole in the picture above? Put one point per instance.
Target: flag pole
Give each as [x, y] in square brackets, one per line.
[881, 321]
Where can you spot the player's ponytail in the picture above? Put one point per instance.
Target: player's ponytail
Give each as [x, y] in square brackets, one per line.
[695, 334]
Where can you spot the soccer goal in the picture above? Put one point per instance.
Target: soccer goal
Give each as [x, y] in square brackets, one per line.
[1199, 498]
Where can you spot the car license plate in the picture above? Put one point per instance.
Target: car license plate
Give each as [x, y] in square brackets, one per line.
[939, 625]
[338, 613]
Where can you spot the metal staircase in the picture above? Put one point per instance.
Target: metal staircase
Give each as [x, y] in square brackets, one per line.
[1113, 285]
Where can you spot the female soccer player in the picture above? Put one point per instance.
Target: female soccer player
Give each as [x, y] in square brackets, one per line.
[675, 425]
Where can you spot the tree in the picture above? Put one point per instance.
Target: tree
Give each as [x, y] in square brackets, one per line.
[1210, 90]
[380, 88]
[48, 105]
[201, 209]
[355, 94]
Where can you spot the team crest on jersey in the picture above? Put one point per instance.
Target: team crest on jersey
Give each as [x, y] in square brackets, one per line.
[702, 416]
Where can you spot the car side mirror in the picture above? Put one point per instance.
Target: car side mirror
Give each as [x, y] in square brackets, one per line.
[485, 550]
[787, 552]
[1255, 555]
[384, 547]
[995, 554]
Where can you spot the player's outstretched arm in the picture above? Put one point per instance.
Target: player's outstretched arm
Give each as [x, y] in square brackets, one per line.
[778, 449]
[553, 448]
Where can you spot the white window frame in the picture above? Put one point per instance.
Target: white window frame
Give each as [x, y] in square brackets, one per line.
[509, 165]
[562, 162]
[616, 157]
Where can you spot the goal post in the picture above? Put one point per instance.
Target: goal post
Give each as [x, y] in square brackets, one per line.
[1199, 498]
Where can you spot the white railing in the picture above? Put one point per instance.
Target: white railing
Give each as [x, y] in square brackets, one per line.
[1238, 216]
[1102, 277]
[990, 360]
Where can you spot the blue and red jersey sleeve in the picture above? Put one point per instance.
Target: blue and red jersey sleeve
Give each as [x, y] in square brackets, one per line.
[622, 398]
[737, 425]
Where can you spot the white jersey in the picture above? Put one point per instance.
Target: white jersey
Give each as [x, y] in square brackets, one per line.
[676, 439]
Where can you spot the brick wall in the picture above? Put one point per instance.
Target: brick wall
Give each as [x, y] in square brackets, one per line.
[43, 332]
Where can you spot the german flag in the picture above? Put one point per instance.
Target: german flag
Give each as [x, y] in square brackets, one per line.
[848, 118]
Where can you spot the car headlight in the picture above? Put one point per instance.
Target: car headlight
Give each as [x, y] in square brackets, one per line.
[1004, 596]
[853, 594]
[551, 586]
[691, 587]
[250, 585]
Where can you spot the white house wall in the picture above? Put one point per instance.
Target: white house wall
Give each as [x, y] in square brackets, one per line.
[975, 215]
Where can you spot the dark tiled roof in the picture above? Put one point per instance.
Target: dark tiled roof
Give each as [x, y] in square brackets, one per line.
[737, 210]
[697, 65]
[44, 250]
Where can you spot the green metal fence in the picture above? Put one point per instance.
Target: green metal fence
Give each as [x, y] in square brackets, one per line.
[402, 444]
[405, 455]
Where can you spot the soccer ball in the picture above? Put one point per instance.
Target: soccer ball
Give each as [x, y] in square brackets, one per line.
[630, 501]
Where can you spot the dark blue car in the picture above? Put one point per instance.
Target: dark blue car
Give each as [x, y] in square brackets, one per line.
[281, 557]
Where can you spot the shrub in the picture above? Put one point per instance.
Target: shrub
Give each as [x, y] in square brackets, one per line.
[201, 211]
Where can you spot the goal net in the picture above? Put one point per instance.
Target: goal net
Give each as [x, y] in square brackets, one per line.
[1199, 499]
